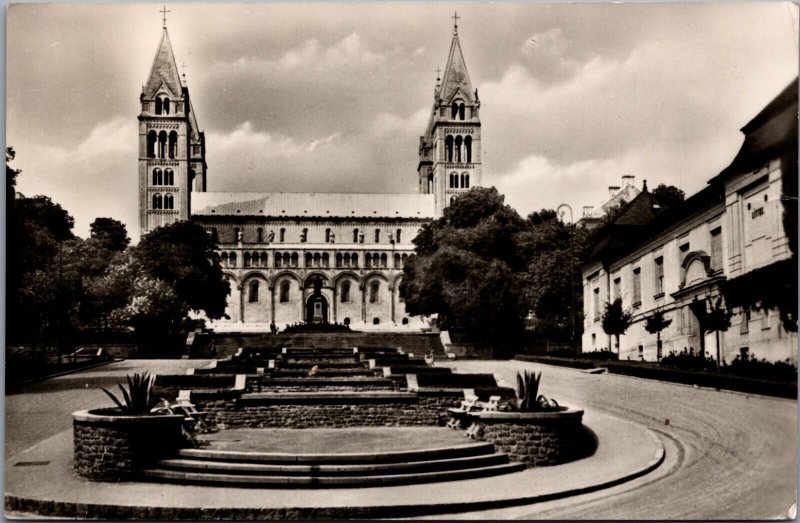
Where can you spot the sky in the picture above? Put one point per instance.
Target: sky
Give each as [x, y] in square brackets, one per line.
[334, 97]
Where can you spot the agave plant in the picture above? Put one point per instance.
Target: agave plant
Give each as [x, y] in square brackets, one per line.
[137, 399]
[528, 397]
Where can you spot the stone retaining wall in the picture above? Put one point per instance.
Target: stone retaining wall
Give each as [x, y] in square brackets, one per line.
[536, 439]
[114, 447]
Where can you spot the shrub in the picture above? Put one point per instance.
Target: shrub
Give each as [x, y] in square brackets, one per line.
[528, 397]
[688, 360]
[137, 400]
[748, 366]
[600, 355]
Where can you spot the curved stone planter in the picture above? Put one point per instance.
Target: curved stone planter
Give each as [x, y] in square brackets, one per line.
[534, 438]
[114, 447]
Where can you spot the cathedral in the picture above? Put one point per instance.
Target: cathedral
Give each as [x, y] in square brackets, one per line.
[316, 257]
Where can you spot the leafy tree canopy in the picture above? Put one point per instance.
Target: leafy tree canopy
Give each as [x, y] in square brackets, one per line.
[669, 196]
[111, 233]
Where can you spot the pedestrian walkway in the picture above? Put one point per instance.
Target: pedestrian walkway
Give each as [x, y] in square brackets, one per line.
[41, 480]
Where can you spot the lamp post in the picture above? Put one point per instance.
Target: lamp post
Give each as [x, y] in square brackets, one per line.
[560, 211]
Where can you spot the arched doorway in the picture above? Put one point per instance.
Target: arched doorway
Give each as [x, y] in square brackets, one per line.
[317, 305]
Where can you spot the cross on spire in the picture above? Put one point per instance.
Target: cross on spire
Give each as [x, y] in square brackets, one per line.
[164, 12]
[455, 18]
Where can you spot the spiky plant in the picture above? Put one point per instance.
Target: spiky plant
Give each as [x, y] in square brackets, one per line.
[528, 397]
[137, 399]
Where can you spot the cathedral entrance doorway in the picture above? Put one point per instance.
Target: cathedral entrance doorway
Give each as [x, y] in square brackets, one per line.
[317, 305]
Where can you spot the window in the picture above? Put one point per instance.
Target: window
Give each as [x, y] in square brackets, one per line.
[295, 259]
[448, 146]
[355, 260]
[169, 201]
[169, 177]
[397, 236]
[157, 201]
[465, 180]
[617, 288]
[376, 321]
[162, 144]
[454, 111]
[260, 235]
[377, 235]
[346, 292]
[327, 235]
[232, 258]
[246, 259]
[173, 144]
[458, 148]
[384, 260]
[303, 235]
[236, 234]
[468, 147]
[264, 261]
[277, 260]
[374, 288]
[744, 328]
[355, 235]
[158, 178]
[461, 111]
[253, 296]
[282, 235]
[346, 321]
[152, 138]
[637, 287]
[659, 274]
[453, 180]
[284, 296]
[596, 303]
[716, 248]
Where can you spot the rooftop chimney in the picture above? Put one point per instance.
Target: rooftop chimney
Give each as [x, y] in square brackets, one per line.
[613, 190]
[587, 210]
[627, 180]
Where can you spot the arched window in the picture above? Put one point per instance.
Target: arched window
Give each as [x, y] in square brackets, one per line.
[376, 321]
[284, 297]
[169, 177]
[384, 260]
[304, 235]
[468, 148]
[338, 260]
[461, 111]
[374, 289]
[453, 180]
[346, 292]
[396, 261]
[355, 235]
[397, 236]
[454, 110]
[347, 321]
[317, 259]
[277, 260]
[377, 235]
[233, 259]
[458, 148]
[451, 199]
[157, 201]
[448, 147]
[236, 234]
[282, 235]
[157, 177]
[162, 144]
[327, 235]
[173, 144]
[260, 235]
[355, 260]
[465, 180]
[214, 235]
[287, 259]
[326, 260]
[405, 321]
[224, 259]
[264, 260]
[246, 259]
[367, 260]
[295, 259]
[165, 105]
[308, 259]
[152, 138]
[346, 260]
[169, 201]
[158, 105]
[253, 295]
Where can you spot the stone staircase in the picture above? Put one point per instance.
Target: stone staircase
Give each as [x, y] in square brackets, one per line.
[275, 470]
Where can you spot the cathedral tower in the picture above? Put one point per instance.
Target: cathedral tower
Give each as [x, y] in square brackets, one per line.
[450, 150]
[171, 148]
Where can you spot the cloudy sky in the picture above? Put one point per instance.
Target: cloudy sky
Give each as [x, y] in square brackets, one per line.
[334, 97]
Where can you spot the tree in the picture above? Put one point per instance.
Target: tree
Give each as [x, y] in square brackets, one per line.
[616, 320]
[554, 251]
[654, 324]
[717, 319]
[110, 233]
[669, 196]
[468, 267]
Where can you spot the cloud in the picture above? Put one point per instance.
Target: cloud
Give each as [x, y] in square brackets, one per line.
[388, 123]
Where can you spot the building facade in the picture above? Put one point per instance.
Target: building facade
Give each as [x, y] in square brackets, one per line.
[293, 257]
[681, 262]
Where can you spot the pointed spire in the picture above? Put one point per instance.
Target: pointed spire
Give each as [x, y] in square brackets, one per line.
[455, 78]
[164, 70]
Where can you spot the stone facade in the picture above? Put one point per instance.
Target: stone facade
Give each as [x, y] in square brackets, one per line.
[272, 245]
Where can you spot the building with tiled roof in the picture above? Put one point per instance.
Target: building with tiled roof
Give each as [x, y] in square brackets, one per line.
[317, 257]
[733, 243]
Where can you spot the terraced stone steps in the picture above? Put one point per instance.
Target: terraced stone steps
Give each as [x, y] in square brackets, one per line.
[261, 469]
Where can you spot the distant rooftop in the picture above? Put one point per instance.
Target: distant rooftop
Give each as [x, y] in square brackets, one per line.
[322, 205]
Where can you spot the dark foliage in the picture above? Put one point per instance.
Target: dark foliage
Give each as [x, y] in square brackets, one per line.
[747, 365]
[596, 355]
[616, 319]
[688, 360]
[316, 327]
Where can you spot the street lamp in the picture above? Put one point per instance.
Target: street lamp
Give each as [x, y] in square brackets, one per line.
[560, 210]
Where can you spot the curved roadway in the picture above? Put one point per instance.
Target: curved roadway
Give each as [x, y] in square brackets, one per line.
[730, 455]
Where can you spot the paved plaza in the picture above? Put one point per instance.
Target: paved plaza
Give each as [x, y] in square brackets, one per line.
[724, 455]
